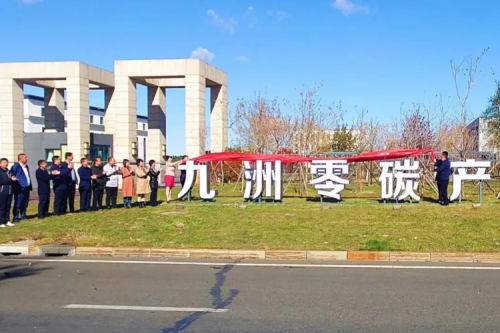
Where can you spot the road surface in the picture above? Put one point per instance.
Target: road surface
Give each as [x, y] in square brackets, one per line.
[205, 296]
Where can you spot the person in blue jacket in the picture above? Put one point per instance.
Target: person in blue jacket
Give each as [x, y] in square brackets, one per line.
[43, 178]
[6, 182]
[443, 170]
[85, 186]
[22, 188]
[59, 185]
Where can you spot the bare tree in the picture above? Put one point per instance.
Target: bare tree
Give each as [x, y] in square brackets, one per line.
[468, 69]
[261, 125]
[313, 126]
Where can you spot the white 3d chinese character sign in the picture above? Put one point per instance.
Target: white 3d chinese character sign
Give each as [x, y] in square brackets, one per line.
[329, 183]
[271, 175]
[462, 174]
[191, 169]
[406, 176]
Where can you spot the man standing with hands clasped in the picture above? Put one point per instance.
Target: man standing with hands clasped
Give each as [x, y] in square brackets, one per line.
[43, 179]
[443, 172]
[22, 187]
[71, 181]
[112, 178]
[85, 188]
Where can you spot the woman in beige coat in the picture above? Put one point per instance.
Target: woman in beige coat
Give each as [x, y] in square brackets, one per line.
[142, 187]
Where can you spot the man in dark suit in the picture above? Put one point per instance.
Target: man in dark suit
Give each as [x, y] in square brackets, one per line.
[443, 178]
[98, 184]
[71, 181]
[59, 185]
[153, 183]
[22, 187]
[43, 178]
[85, 188]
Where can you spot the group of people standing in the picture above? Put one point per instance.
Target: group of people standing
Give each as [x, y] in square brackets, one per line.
[92, 182]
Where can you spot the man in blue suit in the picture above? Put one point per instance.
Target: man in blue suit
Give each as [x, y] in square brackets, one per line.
[85, 188]
[43, 178]
[59, 185]
[443, 170]
[22, 187]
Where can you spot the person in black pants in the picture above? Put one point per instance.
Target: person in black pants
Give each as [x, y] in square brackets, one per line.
[443, 178]
[98, 184]
[183, 172]
[43, 179]
[85, 188]
[6, 180]
[60, 186]
[71, 181]
[153, 183]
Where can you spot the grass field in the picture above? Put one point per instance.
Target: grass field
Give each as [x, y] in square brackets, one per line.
[360, 222]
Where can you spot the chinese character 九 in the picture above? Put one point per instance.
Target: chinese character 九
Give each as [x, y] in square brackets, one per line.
[191, 169]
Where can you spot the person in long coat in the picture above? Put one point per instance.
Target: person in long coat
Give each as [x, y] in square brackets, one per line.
[142, 183]
[127, 184]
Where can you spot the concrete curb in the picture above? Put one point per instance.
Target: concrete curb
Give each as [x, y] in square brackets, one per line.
[27, 248]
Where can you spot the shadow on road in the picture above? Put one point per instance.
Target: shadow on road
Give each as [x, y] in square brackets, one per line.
[218, 302]
[13, 271]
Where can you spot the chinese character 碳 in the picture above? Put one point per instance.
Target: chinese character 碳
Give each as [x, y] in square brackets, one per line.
[191, 169]
[462, 174]
[269, 173]
[329, 183]
[406, 180]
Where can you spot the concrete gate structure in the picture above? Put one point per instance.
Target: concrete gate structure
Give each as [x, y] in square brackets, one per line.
[55, 77]
[120, 103]
[158, 75]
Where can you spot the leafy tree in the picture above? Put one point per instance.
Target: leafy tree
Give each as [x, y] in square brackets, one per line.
[492, 112]
[343, 140]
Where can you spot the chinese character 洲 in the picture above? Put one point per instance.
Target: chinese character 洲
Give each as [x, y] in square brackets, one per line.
[272, 177]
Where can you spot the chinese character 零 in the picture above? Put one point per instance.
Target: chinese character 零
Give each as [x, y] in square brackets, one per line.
[329, 183]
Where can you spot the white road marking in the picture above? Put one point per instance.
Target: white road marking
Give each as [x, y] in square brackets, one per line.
[248, 264]
[142, 308]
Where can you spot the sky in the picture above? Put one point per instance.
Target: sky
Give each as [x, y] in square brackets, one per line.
[375, 55]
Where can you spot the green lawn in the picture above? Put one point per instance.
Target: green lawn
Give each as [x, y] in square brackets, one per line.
[358, 223]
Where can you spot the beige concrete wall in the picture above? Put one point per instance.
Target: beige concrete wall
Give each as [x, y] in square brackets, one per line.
[157, 123]
[77, 115]
[218, 119]
[121, 118]
[54, 110]
[12, 114]
[195, 116]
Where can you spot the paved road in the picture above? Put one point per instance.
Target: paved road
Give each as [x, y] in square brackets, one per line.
[257, 299]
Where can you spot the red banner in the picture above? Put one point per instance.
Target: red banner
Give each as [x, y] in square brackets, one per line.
[365, 157]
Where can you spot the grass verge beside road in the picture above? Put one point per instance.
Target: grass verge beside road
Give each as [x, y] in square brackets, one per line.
[360, 223]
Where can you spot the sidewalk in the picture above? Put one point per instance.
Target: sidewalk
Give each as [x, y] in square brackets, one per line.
[31, 249]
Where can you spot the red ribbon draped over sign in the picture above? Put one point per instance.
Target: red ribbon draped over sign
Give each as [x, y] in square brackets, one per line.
[365, 157]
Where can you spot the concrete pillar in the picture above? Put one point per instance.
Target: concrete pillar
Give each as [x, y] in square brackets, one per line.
[157, 123]
[195, 115]
[108, 113]
[12, 118]
[121, 118]
[54, 110]
[77, 116]
[218, 119]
